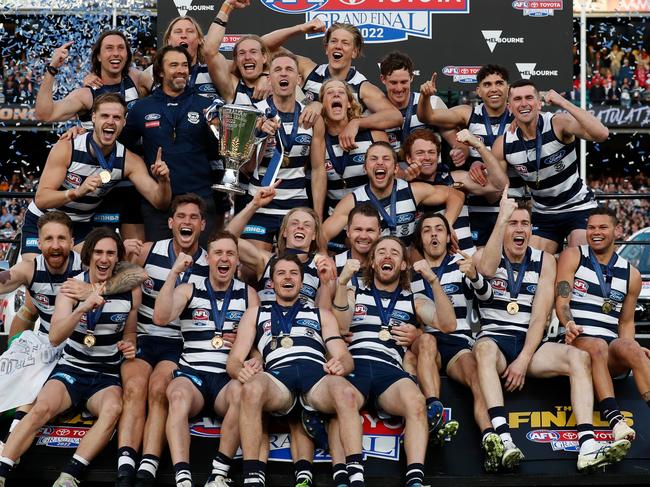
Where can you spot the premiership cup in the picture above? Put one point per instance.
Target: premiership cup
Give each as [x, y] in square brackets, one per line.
[235, 131]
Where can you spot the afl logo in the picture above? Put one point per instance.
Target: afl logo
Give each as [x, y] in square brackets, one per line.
[266, 326]
[42, 299]
[148, 284]
[499, 285]
[200, 315]
[73, 179]
[299, 6]
[580, 286]
[360, 310]
[352, 2]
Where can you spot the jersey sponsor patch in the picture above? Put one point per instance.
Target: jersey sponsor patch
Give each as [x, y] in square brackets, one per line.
[580, 287]
[72, 179]
[152, 124]
[499, 286]
[200, 314]
[152, 116]
[41, 299]
[119, 317]
[308, 323]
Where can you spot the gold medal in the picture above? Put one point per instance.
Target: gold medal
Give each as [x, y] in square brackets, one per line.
[384, 334]
[217, 342]
[607, 307]
[89, 340]
[512, 308]
[285, 160]
[105, 176]
[286, 342]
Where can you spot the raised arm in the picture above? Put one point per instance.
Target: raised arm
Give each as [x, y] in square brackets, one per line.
[172, 300]
[438, 313]
[318, 174]
[127, 276]
[156, 191]
[276, 39]
[494, 159]
[445, 118]
[337, 221]
[18, 275]
[487, 261]
[427, 194]
[577, 122]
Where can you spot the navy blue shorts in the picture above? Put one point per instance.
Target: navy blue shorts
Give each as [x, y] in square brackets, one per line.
[372, 378]
[449, 346]
[29, 239]
[298, 377]
[121, 205]
[209, 385]
[81, 385]
[262, 227]
[557, 227]
[481, 224]
[510, 345]
[153, 349]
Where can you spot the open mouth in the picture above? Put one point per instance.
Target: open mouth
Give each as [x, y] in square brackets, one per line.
[249, 66]
[288, 285]
[337, 55]
[284, 83]
[597, 239]
[103, 268]
[299, 236]
[186, 232]
[494, 97]
[525, 111]
[184, 44]
[434, 243]
[387, 266]
[519, 241]
[337, 104]
[223, 269]
[380, 174]
[115, 62]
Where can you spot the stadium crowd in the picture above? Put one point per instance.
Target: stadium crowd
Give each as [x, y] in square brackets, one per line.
[348, 268]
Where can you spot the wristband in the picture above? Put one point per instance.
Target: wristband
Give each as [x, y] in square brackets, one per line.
[226, 8]
[220, 22]
[337, 337]
[341, 308]
[53, 70]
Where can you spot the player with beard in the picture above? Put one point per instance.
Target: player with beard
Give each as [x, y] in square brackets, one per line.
[510, 345]
[343, 44]
[543, 151]
[395, 199]
[596, 295]
[100, 332]
[209, 311]
[344, 168]
[172, 119]
[452, 351]
[79, 174]
[396, 70]
[381, 335]
[289, 151]
[487, 120]
[293, 339]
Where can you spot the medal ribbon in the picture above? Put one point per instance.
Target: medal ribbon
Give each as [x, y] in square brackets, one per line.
[195, 72]
[389, 219]
[93, 315]
[515, 286]
[338, 163]
[276, 160]
[385, 313]
[406, 126]
[218, 315]
[489, 131]
[605, 286]
[103, 163]
[439, 273]
[285, 321]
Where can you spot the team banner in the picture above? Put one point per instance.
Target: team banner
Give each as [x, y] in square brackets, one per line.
[454, 38]
[615, 7]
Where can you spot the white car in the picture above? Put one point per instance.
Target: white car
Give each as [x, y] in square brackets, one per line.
[639, 256]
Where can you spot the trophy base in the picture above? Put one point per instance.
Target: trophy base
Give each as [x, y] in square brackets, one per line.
[233, 188]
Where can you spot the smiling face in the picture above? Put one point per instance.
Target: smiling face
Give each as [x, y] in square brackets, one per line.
[517, 234]
[362, 231]
[335, 101]
[287, 280]
[175, 72]
[284, 76]
[424, 152]
[103, 260]
[493, 90]
[524, 103]
[434, 238]
[341, 49]
[108, 122]
[398, 86]
[184, 33]
[388, 262]
[300, 231]
[186, 225]
[55, 242]
[113, 54]
[601, 233]
[380, 166]
[250, 59]
[223, 260]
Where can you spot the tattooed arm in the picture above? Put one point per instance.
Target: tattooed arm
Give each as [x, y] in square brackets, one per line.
[566, 269]
[127, 276]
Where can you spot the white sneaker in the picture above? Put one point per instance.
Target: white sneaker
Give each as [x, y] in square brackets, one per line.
[66, 480]
[592, 458]
[617, 450]
[220, 481]
[622, 431]
[493, 450]
[512, 455]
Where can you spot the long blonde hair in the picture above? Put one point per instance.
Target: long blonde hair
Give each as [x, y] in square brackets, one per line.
[282, 241]
[354, 110]
[200, 56]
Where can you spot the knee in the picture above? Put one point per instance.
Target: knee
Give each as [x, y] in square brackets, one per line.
[579, 359]
[135, 389]
[599, 351]
[111, 410]
[417, 407]
[632, 351]
[427, 344]
[251, 393]
[485, 351]
[176, 396]
[234, 394]
[346, 399]
[40, 413]
[157, 390]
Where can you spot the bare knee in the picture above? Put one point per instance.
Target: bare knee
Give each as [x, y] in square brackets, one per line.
[251, 393]
[427, 344]
[234, 394]
[158, 390]
[135, 389]
[485, 351]
[41, 413]
[345, 398]
[111, 410]
[632, 351]
[579, 359]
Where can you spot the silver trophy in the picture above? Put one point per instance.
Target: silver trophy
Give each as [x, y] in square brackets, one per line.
[235, 130]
